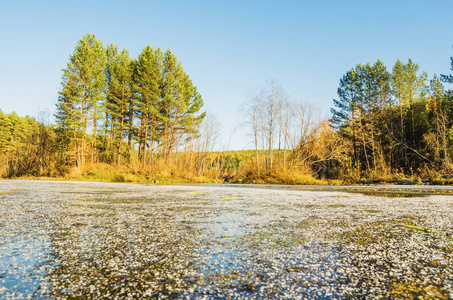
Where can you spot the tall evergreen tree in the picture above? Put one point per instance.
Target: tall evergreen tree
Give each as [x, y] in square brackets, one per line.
[120, 71]
[437, 137]
[345, 111]
[147, 85]
[398, 83]
[181, 104]
[5, 132]
[381, 127]
[381, 78]
[83, 85]
[363, 93]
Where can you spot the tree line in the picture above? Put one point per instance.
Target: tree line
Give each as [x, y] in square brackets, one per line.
[383, 125]
[143, 117]
[394, 121]
[27, 146]
[110, 103]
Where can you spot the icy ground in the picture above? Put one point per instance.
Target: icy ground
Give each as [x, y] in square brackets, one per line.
[115, 240]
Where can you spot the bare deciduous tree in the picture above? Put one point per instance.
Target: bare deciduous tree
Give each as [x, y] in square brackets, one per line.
[265, 112]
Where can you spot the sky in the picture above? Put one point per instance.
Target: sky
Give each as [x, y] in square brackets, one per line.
[229, 48]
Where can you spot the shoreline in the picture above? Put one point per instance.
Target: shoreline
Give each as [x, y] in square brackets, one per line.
[371, 189]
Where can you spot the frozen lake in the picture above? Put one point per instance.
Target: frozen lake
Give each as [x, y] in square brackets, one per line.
[119, 240]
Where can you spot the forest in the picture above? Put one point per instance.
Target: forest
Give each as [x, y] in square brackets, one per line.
[141, 120]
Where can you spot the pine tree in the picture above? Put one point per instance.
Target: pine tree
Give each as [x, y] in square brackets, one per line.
[5, 132]
[381, 127]
[363, 93]
[438, 135]
[69, 120]
[83, 88]
[181, 104]
[120, 71]
[414, 89]
[147, 86]
[398, 90]
[345, 113]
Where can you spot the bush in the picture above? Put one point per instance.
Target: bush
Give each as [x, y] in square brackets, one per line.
[118, 178]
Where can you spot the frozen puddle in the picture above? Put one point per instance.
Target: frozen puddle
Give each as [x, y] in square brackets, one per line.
[105, 240]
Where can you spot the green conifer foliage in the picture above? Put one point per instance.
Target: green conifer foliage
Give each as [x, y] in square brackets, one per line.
[345, 113]
[83, 89]
[181, 104]
[5, 132]
[119, 74]
[147, 84]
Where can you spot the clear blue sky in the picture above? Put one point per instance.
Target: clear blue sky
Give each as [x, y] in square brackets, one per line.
[229, 48]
